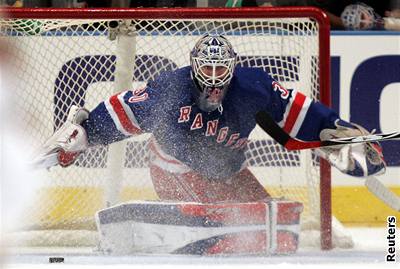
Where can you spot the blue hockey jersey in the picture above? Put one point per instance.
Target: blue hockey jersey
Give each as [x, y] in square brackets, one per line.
[210, 143]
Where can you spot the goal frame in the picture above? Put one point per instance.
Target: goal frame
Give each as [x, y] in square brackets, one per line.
[224, 13]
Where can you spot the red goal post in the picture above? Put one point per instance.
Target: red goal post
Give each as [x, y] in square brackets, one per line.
[21, 24]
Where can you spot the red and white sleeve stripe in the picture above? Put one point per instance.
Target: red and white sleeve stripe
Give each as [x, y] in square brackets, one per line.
[122, 115]
[296, 111]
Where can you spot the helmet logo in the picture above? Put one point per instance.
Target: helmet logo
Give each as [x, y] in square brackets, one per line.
[214, 51]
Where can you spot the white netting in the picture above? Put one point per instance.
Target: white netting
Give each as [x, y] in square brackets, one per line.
[64, 62]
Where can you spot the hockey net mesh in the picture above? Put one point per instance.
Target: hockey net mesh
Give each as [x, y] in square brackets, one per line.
[59, 63]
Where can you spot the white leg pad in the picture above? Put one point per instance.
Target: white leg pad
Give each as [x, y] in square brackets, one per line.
[270, 227]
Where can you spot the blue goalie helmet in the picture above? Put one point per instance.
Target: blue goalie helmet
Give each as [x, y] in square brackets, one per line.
[213, 61]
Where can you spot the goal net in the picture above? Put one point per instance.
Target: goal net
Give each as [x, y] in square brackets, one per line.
[81, 57]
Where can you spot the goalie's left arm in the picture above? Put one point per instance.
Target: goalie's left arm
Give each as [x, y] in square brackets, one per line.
[303, 118]
[361, 160]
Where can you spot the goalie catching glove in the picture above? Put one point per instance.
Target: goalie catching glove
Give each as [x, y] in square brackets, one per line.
[65, 145]
[358, 160]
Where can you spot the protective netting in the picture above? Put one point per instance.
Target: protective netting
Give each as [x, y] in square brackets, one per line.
[59, 63]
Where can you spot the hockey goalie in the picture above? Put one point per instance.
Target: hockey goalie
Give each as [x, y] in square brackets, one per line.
[200, 117]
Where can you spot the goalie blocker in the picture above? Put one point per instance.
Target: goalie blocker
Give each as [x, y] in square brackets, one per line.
[270, 227]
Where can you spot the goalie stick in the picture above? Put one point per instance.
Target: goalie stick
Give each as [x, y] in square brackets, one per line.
[265, 121]
[382, 192]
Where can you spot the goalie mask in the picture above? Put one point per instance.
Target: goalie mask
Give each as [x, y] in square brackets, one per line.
[213, 62]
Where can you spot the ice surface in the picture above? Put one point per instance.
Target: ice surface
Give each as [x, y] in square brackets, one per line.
[369, 252]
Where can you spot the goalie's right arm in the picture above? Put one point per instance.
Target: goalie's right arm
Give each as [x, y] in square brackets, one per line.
[65, 145]
[110, 121]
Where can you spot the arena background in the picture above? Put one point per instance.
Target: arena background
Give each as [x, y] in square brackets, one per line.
[366, 90]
